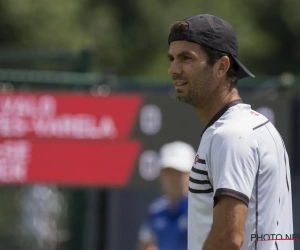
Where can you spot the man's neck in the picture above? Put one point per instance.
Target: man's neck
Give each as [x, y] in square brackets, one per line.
[215, 105]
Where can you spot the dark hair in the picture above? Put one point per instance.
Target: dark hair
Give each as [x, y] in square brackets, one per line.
[212, 54]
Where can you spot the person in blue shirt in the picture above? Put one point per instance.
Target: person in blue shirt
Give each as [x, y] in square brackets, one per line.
[165, 226]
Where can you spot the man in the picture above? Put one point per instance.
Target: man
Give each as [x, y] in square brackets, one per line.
[165, 227]
[240, 186]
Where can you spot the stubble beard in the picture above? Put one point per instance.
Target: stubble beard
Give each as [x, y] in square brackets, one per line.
[198, 95]
[191, 98]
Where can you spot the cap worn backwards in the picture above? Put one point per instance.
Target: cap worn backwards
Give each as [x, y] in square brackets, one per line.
[215, 33]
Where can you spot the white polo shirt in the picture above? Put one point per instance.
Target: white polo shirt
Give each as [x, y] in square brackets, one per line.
[242, 155]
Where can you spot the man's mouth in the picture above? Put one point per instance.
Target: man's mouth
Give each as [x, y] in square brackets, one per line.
[181, 84]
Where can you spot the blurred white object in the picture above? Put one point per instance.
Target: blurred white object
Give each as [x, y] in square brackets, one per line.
[42, 207]
[177, 155]
[150, 119]
[149, 168]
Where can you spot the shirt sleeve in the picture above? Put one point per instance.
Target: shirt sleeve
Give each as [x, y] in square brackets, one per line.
[146, 233]
[234, 162]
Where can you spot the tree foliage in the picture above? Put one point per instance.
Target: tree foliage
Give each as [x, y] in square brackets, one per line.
[130, 36]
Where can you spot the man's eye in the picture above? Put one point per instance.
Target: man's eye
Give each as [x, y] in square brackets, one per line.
[171, 59]
[186, 58]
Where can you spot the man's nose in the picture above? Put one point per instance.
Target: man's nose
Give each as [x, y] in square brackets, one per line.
[175, 68]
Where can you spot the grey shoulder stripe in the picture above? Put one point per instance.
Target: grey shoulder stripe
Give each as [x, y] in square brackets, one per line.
[261, 125]
[287, 182]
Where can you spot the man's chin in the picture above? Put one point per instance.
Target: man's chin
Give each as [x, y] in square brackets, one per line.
[180, 97]
[185, 99]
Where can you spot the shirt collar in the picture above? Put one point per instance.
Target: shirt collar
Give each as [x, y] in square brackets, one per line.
[221, 112]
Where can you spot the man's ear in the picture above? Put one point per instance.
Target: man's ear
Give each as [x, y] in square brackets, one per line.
[222, 66]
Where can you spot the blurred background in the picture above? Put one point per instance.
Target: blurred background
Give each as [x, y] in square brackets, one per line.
[86, 103]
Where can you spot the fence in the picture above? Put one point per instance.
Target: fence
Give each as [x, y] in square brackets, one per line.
[92, 216]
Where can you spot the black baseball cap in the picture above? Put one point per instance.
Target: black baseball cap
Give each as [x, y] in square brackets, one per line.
[215, 33]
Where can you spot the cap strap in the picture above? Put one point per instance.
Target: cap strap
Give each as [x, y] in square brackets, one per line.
[177, 37]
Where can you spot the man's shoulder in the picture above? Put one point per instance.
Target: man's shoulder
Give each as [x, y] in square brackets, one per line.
[238, 124]
[235, 134]
[232, 130]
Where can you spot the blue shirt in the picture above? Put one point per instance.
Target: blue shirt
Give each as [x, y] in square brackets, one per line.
[166, 224]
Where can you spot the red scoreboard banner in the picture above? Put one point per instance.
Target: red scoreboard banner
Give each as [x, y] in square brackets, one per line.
[68, 139]
[71, 139]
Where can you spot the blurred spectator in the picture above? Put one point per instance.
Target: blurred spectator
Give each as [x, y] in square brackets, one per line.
[42, 210]
[165, 227]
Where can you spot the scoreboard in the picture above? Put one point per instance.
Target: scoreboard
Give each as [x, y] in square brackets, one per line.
[108, 143]
[113, 141]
